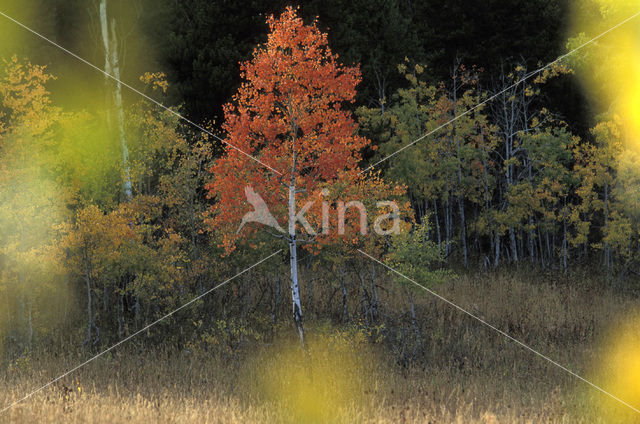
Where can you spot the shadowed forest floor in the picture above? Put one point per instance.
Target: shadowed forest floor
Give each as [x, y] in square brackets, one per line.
[458, 370]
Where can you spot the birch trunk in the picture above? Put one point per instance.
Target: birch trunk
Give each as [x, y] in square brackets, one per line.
[112, 67]
[295, 288]
[513, 244]
[437, 222]
[463, 225]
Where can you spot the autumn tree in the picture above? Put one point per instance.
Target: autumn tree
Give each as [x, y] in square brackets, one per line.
[288, 114]
[32, 202]
[449, 170]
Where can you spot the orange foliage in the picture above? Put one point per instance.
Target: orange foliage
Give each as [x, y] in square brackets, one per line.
[288, 114]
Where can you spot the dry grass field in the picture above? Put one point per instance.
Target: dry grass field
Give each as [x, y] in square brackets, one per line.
[464, 373]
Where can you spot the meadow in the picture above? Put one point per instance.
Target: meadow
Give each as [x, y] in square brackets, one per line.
[459, 372]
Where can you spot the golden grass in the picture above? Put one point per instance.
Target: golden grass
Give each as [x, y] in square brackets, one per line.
[463, 373]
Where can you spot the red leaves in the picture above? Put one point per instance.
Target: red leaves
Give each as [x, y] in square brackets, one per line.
[288, 114]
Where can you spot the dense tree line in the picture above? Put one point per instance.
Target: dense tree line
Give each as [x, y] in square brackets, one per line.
[509, 182]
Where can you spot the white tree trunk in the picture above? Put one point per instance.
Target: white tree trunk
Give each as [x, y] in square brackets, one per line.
[295, 288]
[463, 223]
[112, 67]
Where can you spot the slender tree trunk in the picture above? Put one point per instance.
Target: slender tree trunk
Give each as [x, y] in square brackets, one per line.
[374, 293]
[276, 301]
[496, 258]
[247, 294]
[447, 225]
[366, 302]
[564, 241]
[463, 232]
[136, 311]
[450, 215]
[463, 229]
[437, 221]
[192, 225]
[89, 312]
[514, 246]
[23, 320]
[105, 301]
[345, 315]
[531, 240]
[381, 86]
[414, 324]
[295, 288]
[487, 204]
[87, 279]
[549, 251]
[476, 238]
[121, 323]
[510, 129]
[112, 67]
[540, 248]
[521, 243]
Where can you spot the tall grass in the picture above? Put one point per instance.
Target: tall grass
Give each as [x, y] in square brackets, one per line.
[454, 370]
